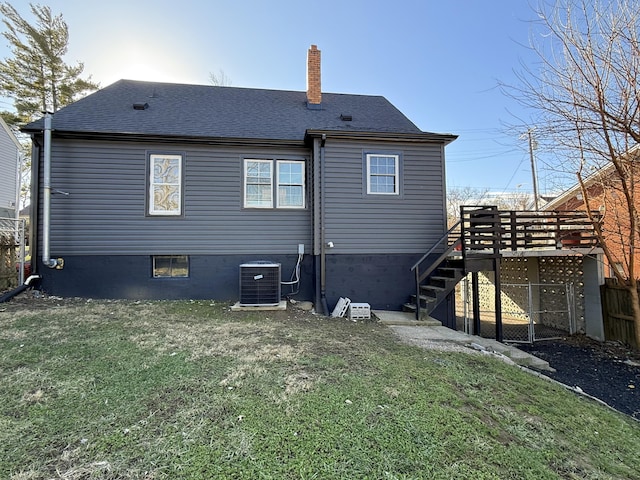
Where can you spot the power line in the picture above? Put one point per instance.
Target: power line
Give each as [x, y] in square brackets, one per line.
[473, 157]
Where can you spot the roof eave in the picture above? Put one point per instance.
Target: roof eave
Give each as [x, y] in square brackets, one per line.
[158, 138]
[421, 137]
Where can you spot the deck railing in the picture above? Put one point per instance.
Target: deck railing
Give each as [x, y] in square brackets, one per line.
[486, 228]
[484, 232]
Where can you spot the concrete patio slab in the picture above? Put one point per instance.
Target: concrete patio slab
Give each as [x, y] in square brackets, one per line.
[424, 333]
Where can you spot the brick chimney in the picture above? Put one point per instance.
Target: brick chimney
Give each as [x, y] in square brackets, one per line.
[314, 90]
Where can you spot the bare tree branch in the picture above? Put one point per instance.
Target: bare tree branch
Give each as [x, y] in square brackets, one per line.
[583, 92]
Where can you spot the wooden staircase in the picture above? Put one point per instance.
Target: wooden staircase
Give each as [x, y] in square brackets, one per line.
[475, 243]
[470, 245]
[437, 287]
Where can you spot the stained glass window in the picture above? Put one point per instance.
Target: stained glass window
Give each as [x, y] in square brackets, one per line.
[165, 185]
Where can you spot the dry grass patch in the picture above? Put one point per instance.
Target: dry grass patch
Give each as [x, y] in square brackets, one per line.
[162, 390]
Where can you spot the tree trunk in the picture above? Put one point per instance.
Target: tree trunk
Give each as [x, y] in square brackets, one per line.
[635, 305]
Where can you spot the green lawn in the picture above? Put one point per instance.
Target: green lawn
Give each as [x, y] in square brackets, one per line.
[191, 390]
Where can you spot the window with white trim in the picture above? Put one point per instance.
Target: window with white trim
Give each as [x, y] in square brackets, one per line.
[383, 174]
[274, 183]
[258, 183]
[170, 266]
[290, 184]
[165, 184]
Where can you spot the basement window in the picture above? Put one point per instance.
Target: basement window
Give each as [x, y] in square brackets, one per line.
[170, 266]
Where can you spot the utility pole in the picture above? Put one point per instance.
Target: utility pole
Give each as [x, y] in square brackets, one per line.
[533, 169]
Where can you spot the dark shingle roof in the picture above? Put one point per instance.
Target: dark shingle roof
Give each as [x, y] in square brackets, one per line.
[222, 112]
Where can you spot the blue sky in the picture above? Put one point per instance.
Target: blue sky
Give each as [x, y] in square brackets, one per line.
[438, 61]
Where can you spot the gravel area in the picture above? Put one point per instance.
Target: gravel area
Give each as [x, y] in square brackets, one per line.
[608, 371]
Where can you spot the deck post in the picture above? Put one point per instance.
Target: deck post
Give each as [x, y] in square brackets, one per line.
[498, 298]
[475, 298]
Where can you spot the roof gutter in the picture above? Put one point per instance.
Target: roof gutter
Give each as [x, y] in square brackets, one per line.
[419, 137]
[166, 138]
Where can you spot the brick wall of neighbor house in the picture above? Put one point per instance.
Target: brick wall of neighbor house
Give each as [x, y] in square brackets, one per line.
[609, 200]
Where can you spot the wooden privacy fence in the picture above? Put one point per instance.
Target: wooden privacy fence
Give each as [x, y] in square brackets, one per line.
[8, 261]
[617, 313]
[11, 252]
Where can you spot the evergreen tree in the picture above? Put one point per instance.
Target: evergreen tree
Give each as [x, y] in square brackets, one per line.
[36, 77]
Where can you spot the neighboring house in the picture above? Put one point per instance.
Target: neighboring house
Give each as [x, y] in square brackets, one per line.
[162, 191]
[605, 195]
[9, 162]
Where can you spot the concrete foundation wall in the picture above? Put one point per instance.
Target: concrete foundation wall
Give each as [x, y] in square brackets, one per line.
[213, 277]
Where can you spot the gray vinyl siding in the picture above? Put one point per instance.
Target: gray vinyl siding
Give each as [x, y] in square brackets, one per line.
[105, 211]
[407, 223]
[8, 172]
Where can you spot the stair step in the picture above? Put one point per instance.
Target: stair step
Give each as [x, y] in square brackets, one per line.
[425, 299]
[425, 319]
[433, 288]
[451, 269]
[409, 307]
[445, 279]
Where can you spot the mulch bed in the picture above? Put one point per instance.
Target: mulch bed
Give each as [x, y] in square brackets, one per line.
[608, 371]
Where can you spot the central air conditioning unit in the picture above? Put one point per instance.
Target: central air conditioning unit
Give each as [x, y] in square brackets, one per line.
[259, 284]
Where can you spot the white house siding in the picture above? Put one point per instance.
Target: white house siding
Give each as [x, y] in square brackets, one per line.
[8, 171]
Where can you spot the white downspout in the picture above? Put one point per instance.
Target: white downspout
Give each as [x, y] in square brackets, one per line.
[46, 200]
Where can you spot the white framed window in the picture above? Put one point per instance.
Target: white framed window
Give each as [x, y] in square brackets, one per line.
[258, 183]
[290, 184]
[165, 184]
[170, 266]
[274, 183]
[383, 174]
